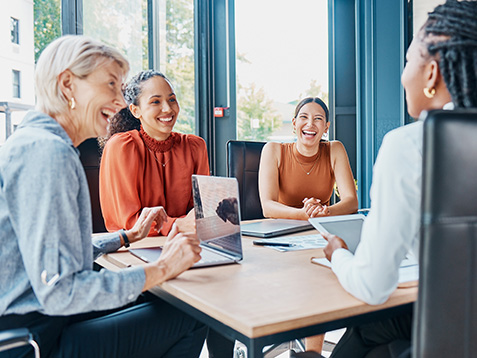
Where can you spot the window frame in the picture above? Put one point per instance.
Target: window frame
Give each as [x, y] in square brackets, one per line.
[16, 84]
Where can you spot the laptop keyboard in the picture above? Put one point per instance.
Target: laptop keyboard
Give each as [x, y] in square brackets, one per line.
[230, 243]
[208, 256]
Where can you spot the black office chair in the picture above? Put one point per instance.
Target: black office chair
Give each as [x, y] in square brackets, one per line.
[243, 160]
[445, 321]
[14, 338]
[90, 158]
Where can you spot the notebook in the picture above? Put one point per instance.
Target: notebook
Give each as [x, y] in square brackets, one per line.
[348, 227]
[217, 219]
[275, 227]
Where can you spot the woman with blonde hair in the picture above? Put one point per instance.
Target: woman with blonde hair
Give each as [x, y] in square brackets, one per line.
[48, 283]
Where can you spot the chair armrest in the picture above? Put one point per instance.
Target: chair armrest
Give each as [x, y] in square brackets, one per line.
[13, 338]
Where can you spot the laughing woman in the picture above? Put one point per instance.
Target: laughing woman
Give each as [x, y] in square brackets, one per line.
[48, 283]
[296, 180]
[145, 163]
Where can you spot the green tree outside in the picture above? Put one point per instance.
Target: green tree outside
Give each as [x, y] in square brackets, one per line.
[256, 118]
[47, 24]
[314, 90]
[179, 66]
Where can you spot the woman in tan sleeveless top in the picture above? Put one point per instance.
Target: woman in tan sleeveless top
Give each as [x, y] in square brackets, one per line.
[296, 179]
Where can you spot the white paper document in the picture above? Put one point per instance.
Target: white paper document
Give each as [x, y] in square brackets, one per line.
[407, 272]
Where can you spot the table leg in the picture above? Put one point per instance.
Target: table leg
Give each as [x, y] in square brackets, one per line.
[254, 349]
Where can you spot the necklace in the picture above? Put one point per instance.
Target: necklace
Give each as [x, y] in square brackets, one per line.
[155, 157]
[161, 146]
[301, 165]
[157, 160]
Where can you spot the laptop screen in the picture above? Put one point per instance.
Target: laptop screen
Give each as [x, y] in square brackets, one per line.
[217, 213]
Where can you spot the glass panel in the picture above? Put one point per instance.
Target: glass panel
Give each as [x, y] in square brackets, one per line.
[47, 23]
[121, 24]
[420, 9]
[14, 30]
[16, 84]
[280, 60]
[176, 53]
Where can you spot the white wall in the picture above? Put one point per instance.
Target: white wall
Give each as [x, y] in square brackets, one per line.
[16, 57]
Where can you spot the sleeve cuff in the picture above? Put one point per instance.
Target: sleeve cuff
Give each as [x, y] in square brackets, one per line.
[103, 244]
[339, 257]
[133, 281]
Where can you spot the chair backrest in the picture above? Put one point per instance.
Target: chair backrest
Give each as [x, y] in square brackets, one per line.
[90, 158]
[445, 322]
[243, 161]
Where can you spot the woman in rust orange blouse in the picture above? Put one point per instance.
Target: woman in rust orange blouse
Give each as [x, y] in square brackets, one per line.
[296, 180]
[145, 163]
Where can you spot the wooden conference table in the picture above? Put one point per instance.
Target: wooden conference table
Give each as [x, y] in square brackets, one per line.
[270, 297]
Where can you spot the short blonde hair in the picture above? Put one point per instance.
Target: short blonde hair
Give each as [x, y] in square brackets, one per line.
[79, 54]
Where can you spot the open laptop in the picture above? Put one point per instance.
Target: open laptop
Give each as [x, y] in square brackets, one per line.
[275, 227]
[217, 220]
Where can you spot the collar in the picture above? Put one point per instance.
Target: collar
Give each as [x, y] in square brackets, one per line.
[156, 145]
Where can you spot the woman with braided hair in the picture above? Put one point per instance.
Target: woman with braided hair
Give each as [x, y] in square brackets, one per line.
[145, 163]
[440, 73]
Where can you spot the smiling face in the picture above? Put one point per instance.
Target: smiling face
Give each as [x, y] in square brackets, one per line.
[157, 108]
[310, 124]
[98, 97]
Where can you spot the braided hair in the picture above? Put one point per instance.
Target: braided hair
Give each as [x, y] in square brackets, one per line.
[124, 120]
[450, 33]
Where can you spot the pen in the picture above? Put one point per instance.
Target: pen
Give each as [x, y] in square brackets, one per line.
[272, 243]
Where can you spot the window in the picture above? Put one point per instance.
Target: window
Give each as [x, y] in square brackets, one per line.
[420, 9]
[280, 60]
[46, 22]
[16, 84]
[176, 54]
[121, 24]
[14, 31]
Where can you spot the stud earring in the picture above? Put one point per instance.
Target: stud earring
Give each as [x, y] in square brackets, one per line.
[72, 103]
[429, 93]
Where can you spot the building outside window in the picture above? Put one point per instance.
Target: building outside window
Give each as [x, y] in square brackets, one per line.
[16, 84]
[14, 30]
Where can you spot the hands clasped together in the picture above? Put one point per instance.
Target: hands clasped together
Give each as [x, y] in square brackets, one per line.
[313, 208]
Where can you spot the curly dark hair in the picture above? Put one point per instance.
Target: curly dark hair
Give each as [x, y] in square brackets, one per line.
[124, 121]
[450, 33]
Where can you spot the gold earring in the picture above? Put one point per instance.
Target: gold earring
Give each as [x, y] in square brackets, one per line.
[72, 103]
[429, 93]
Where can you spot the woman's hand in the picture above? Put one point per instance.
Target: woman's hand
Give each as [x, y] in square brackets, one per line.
[334, 243]
[187, 223]
[313, 208]
[143, 224]
[180, 252]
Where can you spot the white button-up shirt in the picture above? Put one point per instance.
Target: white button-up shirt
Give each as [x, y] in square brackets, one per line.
[391, 229]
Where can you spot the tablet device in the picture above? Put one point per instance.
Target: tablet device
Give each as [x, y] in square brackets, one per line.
[348, 227]
[275, 227]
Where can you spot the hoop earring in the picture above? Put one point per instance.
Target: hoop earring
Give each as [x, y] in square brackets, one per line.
[72, 103]
[429, 93]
